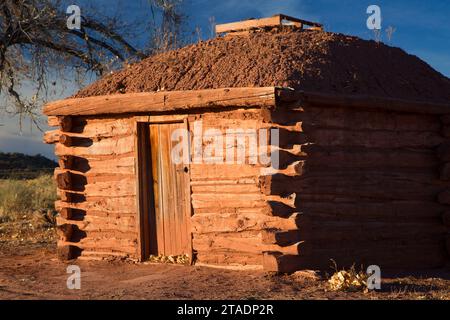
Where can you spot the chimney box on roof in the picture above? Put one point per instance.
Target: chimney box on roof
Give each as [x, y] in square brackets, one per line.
[276, 21]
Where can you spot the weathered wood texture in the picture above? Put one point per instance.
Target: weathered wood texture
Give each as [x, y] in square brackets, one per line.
[369, 185]
[360, 102]
[181, 101]
[275, 21]
[359, 180]
[97, 186]
[228, 206]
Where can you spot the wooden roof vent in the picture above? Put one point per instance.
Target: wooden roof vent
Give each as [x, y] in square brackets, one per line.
[277, 21]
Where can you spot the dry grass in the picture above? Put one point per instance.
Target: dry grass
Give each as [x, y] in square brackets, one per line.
[27, 210]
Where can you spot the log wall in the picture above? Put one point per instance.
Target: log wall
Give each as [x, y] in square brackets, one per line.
[229, 211]
[365, 187]
[96, 182]
[355, 186]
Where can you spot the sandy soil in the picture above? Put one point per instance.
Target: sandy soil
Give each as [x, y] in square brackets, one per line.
[32, 271]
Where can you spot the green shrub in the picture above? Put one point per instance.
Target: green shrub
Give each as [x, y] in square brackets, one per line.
[19, 197]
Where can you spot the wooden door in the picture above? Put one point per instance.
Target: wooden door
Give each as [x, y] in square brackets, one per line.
[170, 186]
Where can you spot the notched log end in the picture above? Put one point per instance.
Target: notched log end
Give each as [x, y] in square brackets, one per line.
[64, 181]
[271, 261]
[65, 232]
[66, 213]
[67, 253]
[264, 184]
[65, 140]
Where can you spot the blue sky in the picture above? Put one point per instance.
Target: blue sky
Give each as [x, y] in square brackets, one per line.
[422, 28]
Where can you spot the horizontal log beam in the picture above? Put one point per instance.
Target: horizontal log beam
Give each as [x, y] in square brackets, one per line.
[150, 102]
[373, 185]
[65, 140]
[303, 98]
[397, 257]
[52, 137]
[230, 97]
[360, 157]
[374, 139]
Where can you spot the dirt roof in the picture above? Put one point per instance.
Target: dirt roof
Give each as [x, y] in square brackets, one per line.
[308, 60]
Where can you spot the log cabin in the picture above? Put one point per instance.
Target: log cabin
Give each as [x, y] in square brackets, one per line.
[355, 178]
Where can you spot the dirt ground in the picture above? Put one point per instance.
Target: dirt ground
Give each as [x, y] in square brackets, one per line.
[32, 271]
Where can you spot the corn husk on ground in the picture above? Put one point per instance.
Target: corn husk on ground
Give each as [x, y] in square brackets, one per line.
[348, 280]
[183, 259]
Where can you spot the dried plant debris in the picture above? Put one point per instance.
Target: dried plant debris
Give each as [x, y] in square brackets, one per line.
[348, 280]
[183, 259]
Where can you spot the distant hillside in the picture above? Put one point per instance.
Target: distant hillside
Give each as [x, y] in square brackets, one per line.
[21, 166]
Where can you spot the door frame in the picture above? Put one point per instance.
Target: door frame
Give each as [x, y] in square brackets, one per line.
[144, 192]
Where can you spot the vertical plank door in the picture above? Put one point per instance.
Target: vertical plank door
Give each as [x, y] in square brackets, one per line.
[171, 194]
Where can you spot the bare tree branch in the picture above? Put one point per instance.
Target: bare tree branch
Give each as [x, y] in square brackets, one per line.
[36, 45]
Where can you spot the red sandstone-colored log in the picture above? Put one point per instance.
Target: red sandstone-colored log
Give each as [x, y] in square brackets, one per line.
[374, 139]
[400, 257]
[271, 262]
[282, 116]
[370, 185]
[65, 140]
[66, 162]
[66, 213]
[286, 138]
[65, 231]
[279, 209]
[164, 101]
[53, 121]
[221, 257]
[67, 252]
[281, 238]
[105, 147]
[351, 157]
[66, 196]
[344, 118]
[64, 180]
[362, 102]
[358, 211]
[65, 123]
